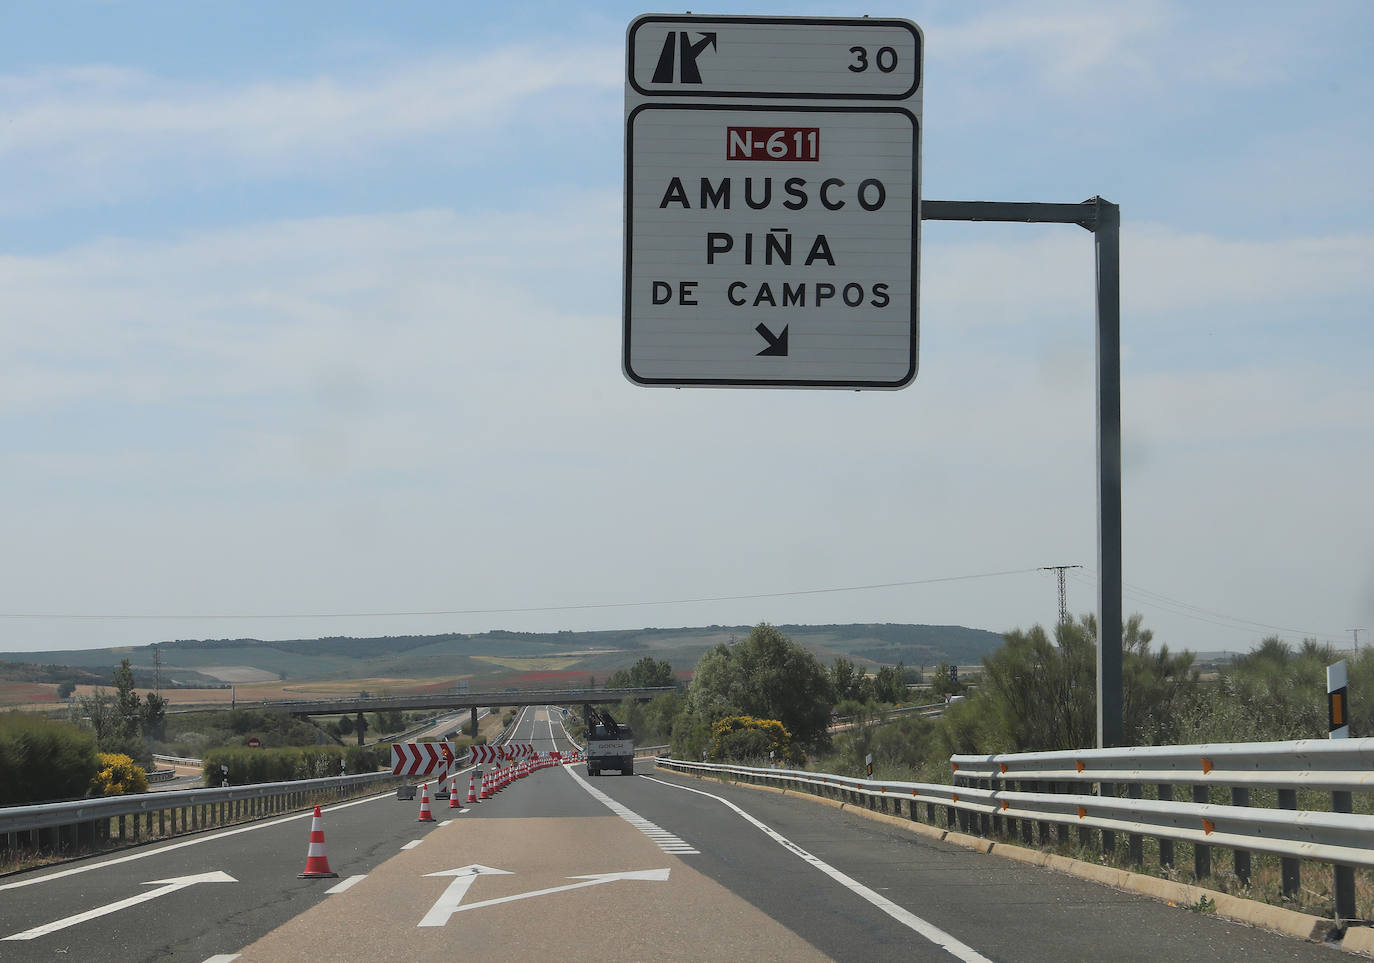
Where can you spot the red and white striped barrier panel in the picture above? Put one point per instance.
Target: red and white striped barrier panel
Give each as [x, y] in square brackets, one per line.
[420, 758]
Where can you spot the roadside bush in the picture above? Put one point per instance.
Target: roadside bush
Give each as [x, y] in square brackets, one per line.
[118, 776]
[43, 760]
[744, 738]
[248, 766]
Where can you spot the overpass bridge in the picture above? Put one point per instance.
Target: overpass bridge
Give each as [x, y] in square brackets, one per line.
[449, 700]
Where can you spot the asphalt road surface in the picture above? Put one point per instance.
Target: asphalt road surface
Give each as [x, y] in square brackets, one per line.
[604, 868]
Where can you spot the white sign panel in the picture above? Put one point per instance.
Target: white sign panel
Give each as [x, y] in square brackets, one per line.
[772, 202]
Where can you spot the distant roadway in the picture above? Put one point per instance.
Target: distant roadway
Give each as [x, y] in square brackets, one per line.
[606, 868]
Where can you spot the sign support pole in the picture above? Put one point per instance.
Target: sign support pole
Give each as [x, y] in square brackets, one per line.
[1103, 218]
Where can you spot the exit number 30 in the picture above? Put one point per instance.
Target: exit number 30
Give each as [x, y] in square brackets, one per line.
[773, 143]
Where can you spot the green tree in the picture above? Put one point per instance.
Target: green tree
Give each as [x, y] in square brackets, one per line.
[98, 711]
[767, 676]
[890, 684]
[65, 689]
[153, 720]
[1041, 695]
[647, 673]
[844, 678]
[346, 724]
[126, 700]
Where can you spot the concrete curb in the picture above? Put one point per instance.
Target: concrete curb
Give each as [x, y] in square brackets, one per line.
[1250, 912]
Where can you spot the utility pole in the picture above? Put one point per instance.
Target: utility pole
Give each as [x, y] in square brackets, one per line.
[1356, 633]
[157, 671]
[1059, 570]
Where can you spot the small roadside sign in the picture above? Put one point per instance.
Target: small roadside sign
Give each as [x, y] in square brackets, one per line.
[254, 743]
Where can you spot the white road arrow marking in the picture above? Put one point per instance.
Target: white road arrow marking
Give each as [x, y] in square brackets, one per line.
[653, 875]
[168, 886]
[447, 904]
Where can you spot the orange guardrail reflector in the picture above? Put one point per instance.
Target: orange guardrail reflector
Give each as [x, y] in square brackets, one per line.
[954, 766]
[1206, 766]
[1005, 805]
[1208, 826]
[1082, 812]
[956, 797]
[913, 792]
[1079, 764]
[1003, 765]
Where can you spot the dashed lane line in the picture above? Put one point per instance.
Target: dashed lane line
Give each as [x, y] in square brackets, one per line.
[665, 840]
[345, 885]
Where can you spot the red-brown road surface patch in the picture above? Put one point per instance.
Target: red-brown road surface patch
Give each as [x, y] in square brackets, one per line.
[687, 917]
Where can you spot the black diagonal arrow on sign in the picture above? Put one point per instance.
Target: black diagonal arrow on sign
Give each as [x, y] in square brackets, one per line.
[777, 344]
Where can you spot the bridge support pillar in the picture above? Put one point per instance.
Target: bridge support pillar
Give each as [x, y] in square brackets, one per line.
[474, 722]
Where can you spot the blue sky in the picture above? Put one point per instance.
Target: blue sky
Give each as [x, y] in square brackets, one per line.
[315, 311]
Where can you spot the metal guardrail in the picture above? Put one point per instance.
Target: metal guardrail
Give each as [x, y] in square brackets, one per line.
[1033, 794]
[884, 713]
[83, 824]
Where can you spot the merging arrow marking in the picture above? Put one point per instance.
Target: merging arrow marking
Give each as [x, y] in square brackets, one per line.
[447, 904]
[167, 886]
[653, 875]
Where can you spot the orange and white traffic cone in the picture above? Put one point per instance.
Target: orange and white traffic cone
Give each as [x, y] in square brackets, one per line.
[472, 789]
[453, 802]
[316, 862]
[425, 815]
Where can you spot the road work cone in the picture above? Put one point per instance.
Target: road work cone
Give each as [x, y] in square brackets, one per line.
[425, 815]
[316, 862]
[453, 802]
[472, 789]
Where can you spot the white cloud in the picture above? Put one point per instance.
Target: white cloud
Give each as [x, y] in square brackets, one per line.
[101, 132]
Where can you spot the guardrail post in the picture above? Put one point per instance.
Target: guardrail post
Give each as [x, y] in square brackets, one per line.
[1108, 837]
[1202, 854]
[1166, 846]
[1240, 796]
[1290, 866]
[1344, 880]
[1027, 825]
[1135, 851]
[985, 820]
[1042, 828]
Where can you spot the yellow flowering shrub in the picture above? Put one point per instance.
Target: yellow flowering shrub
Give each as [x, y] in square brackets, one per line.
[118, 776]
[746, 739]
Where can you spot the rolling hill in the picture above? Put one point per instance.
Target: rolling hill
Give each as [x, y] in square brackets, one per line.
[494, 659]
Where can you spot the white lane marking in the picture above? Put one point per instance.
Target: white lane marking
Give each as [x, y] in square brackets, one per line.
[345, 885]
[168, 886]
[223, 958]
[930, 931]
[188, 842]
[412, 844]
[661, 837]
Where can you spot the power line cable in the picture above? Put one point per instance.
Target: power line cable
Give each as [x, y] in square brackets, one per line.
[1197, 613]
[55, 616]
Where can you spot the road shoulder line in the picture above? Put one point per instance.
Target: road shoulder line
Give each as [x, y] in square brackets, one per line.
[1276, 919]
